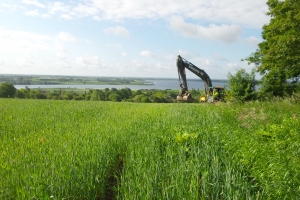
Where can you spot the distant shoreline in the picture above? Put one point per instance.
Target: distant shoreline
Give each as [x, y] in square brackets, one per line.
[98, 82]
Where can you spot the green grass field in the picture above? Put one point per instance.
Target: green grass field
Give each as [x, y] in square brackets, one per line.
[105, 150]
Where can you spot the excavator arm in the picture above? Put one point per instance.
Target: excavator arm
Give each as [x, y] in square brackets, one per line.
[183, 64]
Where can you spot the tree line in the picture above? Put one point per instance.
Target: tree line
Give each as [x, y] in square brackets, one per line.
[7, 90]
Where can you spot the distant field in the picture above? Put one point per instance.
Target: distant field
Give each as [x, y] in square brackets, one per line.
[104, 150]
[68, 80]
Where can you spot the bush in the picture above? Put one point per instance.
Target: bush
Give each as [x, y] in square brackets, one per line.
[242, 85]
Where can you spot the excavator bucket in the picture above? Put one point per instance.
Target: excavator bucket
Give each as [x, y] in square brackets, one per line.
[185, 98]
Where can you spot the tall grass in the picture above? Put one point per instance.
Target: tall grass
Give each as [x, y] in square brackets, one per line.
[105, 150]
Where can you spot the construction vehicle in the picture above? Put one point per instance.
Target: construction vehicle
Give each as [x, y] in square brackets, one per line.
[211, 94]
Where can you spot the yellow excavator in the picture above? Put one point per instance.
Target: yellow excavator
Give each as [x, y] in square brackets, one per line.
[211, 94]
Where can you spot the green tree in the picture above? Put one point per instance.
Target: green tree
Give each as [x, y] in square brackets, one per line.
[87, 97]
[242, 85]
[20, 94]
[39, 95]
[138, 92]
[102, 96]
[69, 95]
[53, 95]
[278, 56]
[95, 96]
[79, 97]
[114, 97]
[145, 99]
[138, 98]
[7, 90]
[125, 93]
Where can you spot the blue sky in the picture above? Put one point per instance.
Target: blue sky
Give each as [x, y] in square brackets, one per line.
[128, 38]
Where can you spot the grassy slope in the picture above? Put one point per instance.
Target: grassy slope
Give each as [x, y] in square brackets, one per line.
[70, 149]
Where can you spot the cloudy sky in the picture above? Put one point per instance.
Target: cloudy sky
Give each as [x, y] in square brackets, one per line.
[128, 38]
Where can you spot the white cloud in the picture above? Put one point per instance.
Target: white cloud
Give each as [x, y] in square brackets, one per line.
[164, 58]
[118, 46]
[32, 13]
[170, 57]
[247, 12]
[97, 18]
[34, 2]
[36, 48]
[49, 10]
[45, 16]
[60, 55]
[146, 53]
[118, 30]
[66, 37]
[207, 62]
[20, 41]
[123, 54]
[57, 7]
[87, 41]
[85, 10]
[231, 66]
[114, 46]
[250, 13]
[224, 33]
[137, 67]
[253, 41]
[59, 47]
[66, 16]
[89, 62]
[218, 57]
[12, 7]
[159, 57]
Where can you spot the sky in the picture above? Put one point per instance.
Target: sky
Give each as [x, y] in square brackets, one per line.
[128, 38]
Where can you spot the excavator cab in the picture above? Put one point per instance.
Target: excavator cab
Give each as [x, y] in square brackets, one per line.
[218, 93]
[213, 94]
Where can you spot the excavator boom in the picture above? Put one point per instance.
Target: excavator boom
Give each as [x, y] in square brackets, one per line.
[183, 63]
